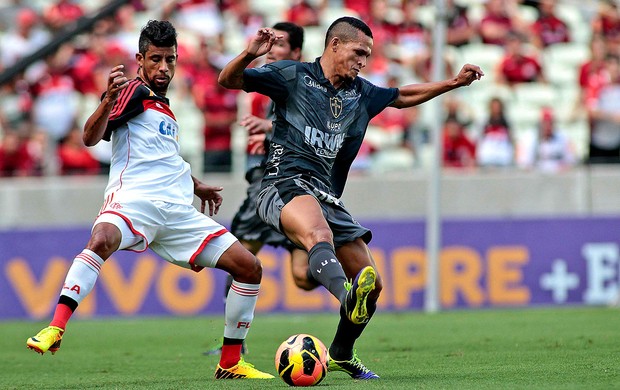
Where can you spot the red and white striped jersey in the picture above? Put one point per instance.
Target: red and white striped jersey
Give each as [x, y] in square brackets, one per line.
[145, 149]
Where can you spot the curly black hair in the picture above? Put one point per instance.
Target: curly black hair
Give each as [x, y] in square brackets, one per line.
[159, 33]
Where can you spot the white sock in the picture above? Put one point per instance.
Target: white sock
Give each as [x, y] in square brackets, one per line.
[239, 312]
[82, 275]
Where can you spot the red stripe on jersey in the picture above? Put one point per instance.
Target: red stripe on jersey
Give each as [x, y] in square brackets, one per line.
[158, 106]
[195, 267]
[120, 177]
[123, 98]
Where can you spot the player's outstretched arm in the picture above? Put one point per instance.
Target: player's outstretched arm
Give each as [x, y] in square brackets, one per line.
[208, 194]
[95, 126]
[231, 76]
[414, 94]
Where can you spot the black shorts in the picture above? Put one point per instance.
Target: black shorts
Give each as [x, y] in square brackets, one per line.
[272, 199]
[247, 225]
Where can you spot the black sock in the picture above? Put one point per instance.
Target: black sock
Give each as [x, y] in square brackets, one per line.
[311, 278]
[347, 333]
[326, 269]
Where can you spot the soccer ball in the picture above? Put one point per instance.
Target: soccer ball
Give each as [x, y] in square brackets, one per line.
[301, 360]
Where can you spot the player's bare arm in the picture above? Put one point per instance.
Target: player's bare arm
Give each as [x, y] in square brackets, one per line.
[208, 195]
[95, 126]
[414, 94]
[231, 76]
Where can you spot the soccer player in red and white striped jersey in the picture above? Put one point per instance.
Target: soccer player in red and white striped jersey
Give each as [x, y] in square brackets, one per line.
[148, 202]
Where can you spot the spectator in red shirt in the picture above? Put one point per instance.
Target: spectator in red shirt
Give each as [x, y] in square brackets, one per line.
[57, 15]
[458, 150]
[495, 147]
[74, 157]
[548, 28]
[518, 66]
[607, 24]
[593, 74]
[410, 36]
[460, 30]
[303, 14]
[219, 106]
[498, 22]
[14, 157]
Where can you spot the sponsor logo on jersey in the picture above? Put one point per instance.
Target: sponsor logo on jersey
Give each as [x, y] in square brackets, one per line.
[325, 144]
[333, 126]
[310, 82]
[335, 103]
[115, 206]
[273, 168]
[350, 94]
[169, 129]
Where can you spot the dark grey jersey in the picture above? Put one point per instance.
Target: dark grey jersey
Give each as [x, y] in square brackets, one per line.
[318, 129]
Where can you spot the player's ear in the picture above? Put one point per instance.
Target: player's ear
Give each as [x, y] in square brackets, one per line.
[140, 61]
[296, 54]
[333, 44]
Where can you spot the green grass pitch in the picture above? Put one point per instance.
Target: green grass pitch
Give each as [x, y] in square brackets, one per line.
[542, 348]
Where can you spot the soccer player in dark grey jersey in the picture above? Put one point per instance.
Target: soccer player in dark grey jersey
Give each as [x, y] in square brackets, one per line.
[322, 111]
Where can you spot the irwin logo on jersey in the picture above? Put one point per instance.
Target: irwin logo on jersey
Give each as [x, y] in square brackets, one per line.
[167, 128]
[326, 144]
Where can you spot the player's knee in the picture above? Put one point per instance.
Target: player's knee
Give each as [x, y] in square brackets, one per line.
[249, 270]
[320, 235]
[103, 244]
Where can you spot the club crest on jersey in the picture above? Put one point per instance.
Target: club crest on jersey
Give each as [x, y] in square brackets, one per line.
[335, 104]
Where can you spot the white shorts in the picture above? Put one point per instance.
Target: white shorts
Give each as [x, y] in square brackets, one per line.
[178, 233]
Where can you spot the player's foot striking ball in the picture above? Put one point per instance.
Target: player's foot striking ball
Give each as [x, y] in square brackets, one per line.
[301, 360]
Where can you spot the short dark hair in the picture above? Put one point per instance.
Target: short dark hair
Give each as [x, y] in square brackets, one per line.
[295, 34]
[159, 33]
[346, 29]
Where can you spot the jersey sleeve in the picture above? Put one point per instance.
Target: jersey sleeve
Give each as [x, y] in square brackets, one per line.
[378, 98]
[128, 105]
[271, 80]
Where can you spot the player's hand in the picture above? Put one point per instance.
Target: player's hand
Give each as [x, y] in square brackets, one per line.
[116, 82]
[468, 74]
[261, 43]
[208, 195]
[256, 143]
[256, 125]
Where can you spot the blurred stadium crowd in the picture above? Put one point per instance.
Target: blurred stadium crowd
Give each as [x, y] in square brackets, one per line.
[550, 98]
